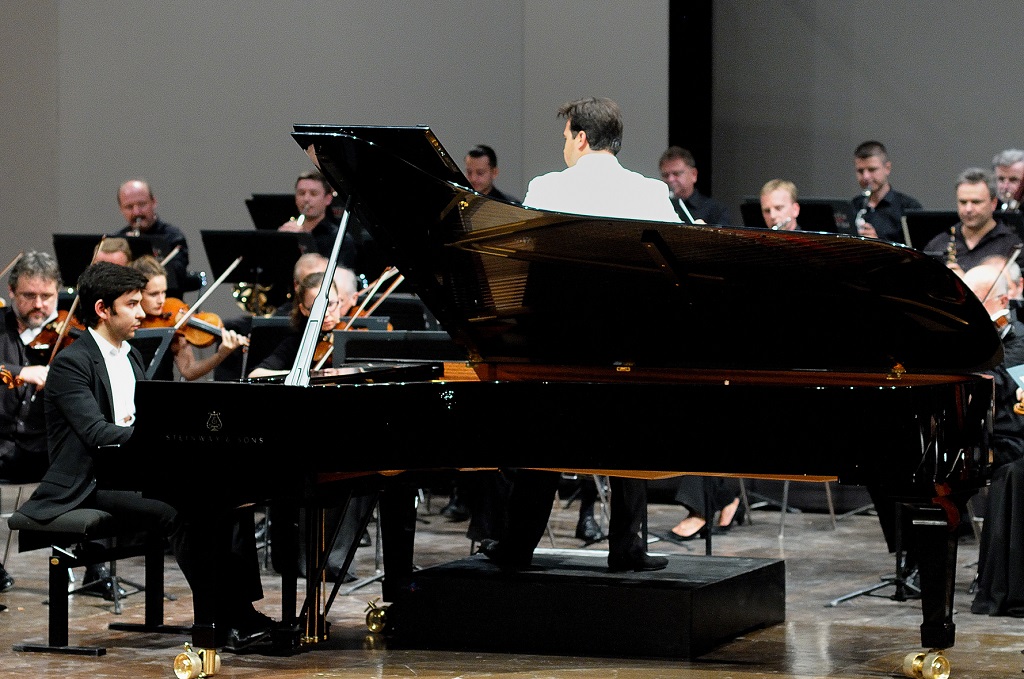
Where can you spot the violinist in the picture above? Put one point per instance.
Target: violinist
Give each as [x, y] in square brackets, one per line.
[1000, 585]
[113, 250]
[33, 285]
[342, 298]
[154, 299]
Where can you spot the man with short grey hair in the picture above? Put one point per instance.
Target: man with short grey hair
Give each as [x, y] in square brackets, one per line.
[1008, 166]
[978, 235]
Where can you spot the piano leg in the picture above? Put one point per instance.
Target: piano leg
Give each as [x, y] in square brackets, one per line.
[935, 536]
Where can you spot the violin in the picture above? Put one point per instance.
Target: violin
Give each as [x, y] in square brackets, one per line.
[200, 330]
[49, 338]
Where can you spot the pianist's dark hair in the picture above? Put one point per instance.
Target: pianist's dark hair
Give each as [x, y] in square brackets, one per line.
[315, 176]
[868, 149]
[599, 117]
[34, 265]
[104, 281]
[484, 151]
[978, 175]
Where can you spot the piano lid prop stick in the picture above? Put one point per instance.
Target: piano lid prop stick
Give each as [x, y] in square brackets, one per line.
[220, 279]
[170, 255]
[299, 373]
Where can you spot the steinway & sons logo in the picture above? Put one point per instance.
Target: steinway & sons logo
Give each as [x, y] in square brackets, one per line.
[214, 424]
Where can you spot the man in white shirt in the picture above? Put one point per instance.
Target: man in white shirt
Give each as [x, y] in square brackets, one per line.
[594, 183]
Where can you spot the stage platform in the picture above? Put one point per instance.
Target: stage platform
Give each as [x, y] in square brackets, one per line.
[569, 603]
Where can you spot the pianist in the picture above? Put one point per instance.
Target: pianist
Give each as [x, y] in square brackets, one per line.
[90, 406]
[593, 183]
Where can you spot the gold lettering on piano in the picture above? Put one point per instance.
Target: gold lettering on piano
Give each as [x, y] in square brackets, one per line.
[217, 439]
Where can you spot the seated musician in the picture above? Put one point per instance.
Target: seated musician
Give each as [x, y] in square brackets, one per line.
[33, 285]
[691, 492]
[90, 405]
[779, 205]
[154, 297]
[594, 183]
[980, 233]
[137, 203]
[1000, 589]
[113, 250]
[313, 196]
[342, 298]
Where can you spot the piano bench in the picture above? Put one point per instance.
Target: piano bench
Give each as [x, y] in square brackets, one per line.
[71, 538]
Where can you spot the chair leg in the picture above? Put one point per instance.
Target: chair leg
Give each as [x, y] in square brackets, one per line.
[60, 562]
[831, 507]
[10, 533]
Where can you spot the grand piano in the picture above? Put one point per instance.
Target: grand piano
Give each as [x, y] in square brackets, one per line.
[613, 346]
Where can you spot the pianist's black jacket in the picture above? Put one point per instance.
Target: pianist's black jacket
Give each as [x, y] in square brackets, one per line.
[79, 419]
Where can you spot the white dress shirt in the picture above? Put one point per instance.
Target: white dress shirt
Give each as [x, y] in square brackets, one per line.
[122, 379]
[598, 185]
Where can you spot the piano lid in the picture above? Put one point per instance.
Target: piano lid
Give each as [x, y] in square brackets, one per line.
[516, 284]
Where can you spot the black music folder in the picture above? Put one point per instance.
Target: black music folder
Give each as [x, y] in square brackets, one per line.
[268, 258]
[74, 251]
[269, 211]
[920, 226]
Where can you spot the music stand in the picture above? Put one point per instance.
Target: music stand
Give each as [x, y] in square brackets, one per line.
[154, 344]
[268, 258]
[74, 251]
[268, 211]
[920, 226]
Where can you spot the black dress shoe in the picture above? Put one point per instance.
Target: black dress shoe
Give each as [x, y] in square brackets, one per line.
[248, 629]
[496, 553]
[588, 530]
[672, 536]
[637, 563]
[6, 581]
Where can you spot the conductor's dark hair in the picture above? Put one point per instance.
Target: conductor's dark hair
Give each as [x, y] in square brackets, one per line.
[599, 117]
[105, 281]
[484, 151]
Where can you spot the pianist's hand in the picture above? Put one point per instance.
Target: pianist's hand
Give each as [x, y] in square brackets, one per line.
[35, 374]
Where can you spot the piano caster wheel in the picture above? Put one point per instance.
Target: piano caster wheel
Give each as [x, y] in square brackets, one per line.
[191, 664]
[376, 617]
[930, 665]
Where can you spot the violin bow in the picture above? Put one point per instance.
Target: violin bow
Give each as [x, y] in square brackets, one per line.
[14, 261]
[170, 255]
[213, 286]
[1009, 260]
[390, 272]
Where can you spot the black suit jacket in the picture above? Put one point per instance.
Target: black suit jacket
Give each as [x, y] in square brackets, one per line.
[79, 422]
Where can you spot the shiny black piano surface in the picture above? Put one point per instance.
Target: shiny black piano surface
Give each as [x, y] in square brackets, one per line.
[616, 345]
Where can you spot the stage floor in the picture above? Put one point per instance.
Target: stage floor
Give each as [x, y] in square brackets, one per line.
[865, 637]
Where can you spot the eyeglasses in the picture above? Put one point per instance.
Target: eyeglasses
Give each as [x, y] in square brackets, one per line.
[31, 296]
[331, 306]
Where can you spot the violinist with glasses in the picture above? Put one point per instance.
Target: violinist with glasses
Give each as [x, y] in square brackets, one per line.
[156, 304]
[343, 295]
